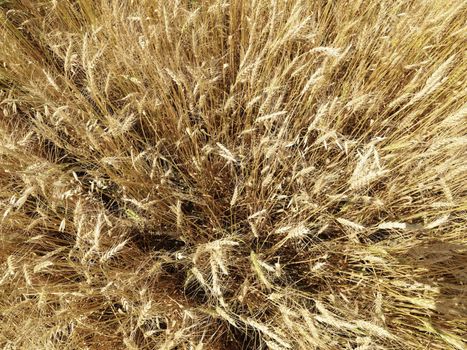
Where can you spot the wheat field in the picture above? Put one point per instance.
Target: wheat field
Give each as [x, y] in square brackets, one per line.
[233, 174]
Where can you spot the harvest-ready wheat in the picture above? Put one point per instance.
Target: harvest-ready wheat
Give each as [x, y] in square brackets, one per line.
[233, 174]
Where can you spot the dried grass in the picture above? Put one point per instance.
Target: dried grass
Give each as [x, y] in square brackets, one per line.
[230, 174]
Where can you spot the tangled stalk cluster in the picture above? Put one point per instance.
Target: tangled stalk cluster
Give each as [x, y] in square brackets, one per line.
[233, 174]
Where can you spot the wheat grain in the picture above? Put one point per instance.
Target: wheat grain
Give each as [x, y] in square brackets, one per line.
[229, 174]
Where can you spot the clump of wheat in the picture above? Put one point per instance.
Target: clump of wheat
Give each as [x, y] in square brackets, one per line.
[231, 174]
